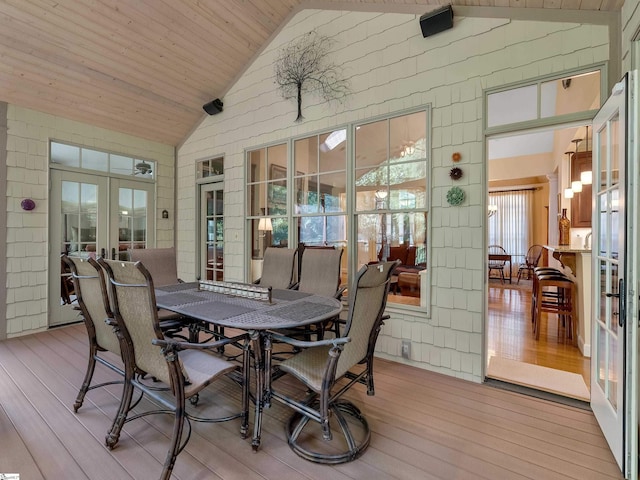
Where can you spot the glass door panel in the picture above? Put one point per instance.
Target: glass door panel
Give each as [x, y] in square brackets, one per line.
[608, 265]
[130, 207]
[212, 227]
[90, 215]
[78, 228]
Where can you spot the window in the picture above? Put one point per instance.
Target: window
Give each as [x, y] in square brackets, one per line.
[570, 95]
[385, 205]
[320, 191]
[267, 196]
[391, 164]
[511, 226]
[210, 168]
[100, 161]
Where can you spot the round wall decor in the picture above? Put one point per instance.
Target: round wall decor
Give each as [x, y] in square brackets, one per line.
[455, 196]
[28, 204]
[455, 173]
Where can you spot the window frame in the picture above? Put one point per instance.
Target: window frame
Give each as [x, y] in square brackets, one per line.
[350, 213]
[576, 117]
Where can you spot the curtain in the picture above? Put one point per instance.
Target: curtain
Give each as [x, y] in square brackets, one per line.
[511, 226]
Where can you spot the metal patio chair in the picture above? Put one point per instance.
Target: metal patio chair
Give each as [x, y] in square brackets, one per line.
[321, 364]
[186, 368]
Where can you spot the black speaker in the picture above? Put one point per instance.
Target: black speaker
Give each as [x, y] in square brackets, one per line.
[436, 21]
[213, 107]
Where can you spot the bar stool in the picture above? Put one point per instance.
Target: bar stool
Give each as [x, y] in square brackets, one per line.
[537, 272]
[562, 302]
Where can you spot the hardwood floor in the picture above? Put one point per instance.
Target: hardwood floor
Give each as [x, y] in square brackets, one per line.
[424, 425]
[510, 334]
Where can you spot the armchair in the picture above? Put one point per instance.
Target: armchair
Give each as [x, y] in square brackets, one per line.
[321, 364]
[161, 264]
[278, 268]
[186, 368]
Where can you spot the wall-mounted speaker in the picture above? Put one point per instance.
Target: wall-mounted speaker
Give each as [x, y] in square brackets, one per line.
[213, 107]
[436, 21]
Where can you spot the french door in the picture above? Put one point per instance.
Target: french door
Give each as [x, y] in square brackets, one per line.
[92, 215]
[608, 382]
[212, 231]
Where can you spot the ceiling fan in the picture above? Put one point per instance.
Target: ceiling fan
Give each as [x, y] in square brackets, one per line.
[143, 168]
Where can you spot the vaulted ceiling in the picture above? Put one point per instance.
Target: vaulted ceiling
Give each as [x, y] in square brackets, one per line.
[146, 67]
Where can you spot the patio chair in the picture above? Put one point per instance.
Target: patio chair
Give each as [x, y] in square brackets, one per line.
[321, 364]
[278, 268]
[90, 288]
[531, 260]
[186, 368]
[497, 264]
[161, 264]
[95, 305]
[320, 274]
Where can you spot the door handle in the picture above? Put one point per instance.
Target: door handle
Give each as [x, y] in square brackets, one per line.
[621, 301]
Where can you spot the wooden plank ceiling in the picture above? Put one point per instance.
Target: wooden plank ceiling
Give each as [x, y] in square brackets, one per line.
[146, 67]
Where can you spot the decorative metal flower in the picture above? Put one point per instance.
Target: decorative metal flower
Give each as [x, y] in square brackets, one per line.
[455, 173]
[456, 157]
[455, 196]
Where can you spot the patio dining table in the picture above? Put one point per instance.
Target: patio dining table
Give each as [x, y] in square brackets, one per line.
[284, 309]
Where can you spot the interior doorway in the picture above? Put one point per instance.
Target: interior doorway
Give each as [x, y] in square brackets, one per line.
[528, 173]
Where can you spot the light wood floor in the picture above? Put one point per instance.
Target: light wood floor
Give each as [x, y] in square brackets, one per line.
[425, 426]
[510, 334]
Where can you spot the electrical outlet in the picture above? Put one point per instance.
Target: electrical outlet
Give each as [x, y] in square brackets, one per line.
[406, 349]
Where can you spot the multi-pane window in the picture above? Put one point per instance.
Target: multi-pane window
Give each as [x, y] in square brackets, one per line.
[267, 196]
[320, 188]
[101, 161]
[385, 202]
[210, 168]
[391, 199]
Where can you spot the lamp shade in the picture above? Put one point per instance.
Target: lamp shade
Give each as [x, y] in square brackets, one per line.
[586, 177]
[265, 225]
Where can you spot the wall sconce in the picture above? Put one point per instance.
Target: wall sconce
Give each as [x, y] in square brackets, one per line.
[492, 210]
[165, 214]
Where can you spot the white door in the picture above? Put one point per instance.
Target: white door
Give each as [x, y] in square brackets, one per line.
[93, 215]
[212, 231]
[608, 358]
[78, 227]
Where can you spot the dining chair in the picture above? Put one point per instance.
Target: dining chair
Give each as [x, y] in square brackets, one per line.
[320, 365]
[162, 265]
[278, 268]
[94, 303]
[320, 274]
[497, 264]
[90, 289]
[185, 368]
[531, 260]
